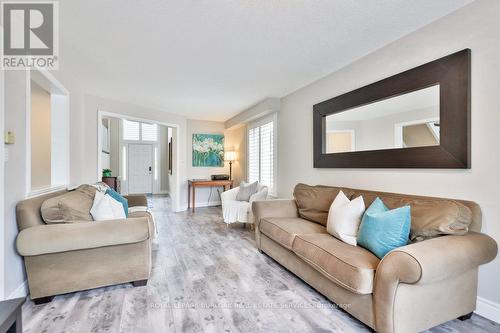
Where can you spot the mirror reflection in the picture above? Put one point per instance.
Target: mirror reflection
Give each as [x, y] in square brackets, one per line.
[404, 121]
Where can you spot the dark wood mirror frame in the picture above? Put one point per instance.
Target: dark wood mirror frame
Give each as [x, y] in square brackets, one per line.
[452, 73]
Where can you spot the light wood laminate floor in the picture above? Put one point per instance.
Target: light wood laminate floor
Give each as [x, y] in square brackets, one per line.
[206, 278]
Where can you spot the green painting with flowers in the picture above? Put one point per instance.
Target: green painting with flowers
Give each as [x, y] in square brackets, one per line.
[208, 150]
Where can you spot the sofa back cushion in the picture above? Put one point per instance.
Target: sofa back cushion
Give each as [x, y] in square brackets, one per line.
[72, 206]
[430, 217]
[313, 202]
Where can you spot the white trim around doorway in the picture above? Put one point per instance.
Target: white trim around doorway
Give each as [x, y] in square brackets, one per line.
[175, 191]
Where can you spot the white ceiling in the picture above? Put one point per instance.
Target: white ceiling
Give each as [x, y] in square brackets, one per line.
[210, 59]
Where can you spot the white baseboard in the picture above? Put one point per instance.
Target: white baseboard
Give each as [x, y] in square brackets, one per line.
[488, 309]
[21, 291]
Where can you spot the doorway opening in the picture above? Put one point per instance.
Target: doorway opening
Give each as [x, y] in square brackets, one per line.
[136, 155]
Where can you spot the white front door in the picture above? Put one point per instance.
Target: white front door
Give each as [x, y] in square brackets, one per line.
[140, 168]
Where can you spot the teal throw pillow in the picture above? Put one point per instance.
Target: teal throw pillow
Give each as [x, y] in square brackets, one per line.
[383, 230]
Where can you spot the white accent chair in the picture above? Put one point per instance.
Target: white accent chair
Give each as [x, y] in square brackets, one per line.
[240, 211]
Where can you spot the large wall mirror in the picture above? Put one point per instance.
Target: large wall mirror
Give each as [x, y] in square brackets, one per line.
[416, 119]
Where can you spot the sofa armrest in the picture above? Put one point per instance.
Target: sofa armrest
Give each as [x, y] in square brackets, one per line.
[274, 208]
[136, 200]
[259, 196]
[54, 238]
[424, 261]
[427, 262]
[229, 195]
[271, 208]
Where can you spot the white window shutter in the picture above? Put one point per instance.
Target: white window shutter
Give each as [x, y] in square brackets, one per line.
[149, 132]
[253, 154]
[266, 155]
[261, 154]
[130, 130]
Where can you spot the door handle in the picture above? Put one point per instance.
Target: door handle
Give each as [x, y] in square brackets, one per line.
[149, 169]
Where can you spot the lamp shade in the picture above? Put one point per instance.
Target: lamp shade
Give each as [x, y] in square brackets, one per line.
[230, 155]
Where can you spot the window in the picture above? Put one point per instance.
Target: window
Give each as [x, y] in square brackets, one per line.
[261, 153]
[130, 130]
[253, 154]
[136, 131]
[149, 132]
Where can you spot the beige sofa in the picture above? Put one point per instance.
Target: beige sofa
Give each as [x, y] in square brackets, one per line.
[412, 288]
[68, 257]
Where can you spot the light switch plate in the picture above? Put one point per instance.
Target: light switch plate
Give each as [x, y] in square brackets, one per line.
[9, 138]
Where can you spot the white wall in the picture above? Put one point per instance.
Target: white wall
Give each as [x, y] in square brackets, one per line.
[41, 138]
[114, 145]
[84, 112]
[203, 197]
[163, 162]
[2, 191]
[476, 26]
[112, 159]
[236, 138]
[15, 175]
[60, 139]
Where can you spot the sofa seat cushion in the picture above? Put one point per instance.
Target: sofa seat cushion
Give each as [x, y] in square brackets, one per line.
[284, 229]
[352, 267]
[64, 237]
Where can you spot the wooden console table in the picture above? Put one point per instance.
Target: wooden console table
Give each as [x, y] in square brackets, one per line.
[10, 315]
[193, 184]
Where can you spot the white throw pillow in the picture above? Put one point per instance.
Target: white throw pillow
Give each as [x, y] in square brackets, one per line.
[344, 218]
[246, 191]
[106, 207]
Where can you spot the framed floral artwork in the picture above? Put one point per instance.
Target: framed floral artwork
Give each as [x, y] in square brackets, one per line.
[208, 150]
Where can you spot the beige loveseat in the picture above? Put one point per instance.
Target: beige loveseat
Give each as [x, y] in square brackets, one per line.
[67, 257]
[414, 287]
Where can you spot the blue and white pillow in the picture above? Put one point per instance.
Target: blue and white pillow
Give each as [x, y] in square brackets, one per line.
[115, 195]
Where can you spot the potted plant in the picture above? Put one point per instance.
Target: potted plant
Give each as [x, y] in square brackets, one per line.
[106, 172]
